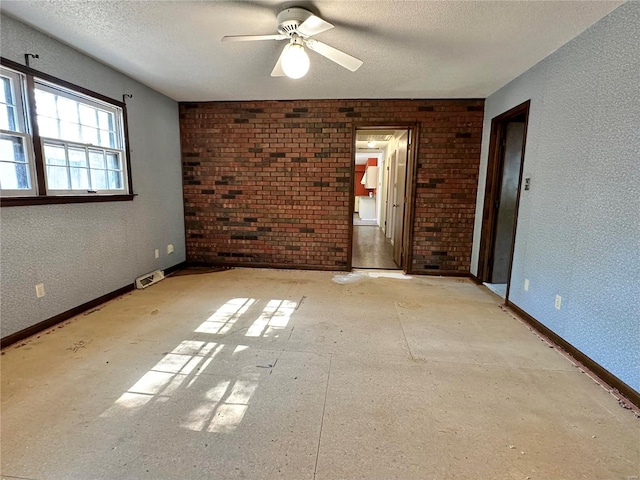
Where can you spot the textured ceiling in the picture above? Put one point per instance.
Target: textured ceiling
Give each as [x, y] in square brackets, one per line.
[379, 137]
[410, 49]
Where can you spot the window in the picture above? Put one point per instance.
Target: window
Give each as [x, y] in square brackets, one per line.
[81, 142]
[16, 169]
[70, 143]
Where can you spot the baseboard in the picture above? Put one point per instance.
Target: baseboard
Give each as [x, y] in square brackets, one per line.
[475, 279]
[175, 268]
[280, 266]
[50, 322]
[602, 373]
[439, 273]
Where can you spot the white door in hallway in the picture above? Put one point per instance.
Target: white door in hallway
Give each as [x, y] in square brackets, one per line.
[399, 201]
[391, 196]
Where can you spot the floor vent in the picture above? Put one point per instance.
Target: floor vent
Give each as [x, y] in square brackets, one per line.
[149, 279]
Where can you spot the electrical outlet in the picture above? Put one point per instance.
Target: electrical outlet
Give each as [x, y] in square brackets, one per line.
[526, 284]
[40, 290]
[157, 253]
[558, 303]
[170, 248]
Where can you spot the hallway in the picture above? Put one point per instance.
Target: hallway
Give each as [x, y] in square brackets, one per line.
[371, 249]
[257, 373]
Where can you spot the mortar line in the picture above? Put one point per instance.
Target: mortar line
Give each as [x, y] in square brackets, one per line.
[324, 407]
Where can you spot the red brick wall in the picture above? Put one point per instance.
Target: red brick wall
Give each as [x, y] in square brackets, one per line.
[268, 182]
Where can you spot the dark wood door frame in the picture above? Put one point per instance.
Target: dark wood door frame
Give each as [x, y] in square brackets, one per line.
[410, 187]
[410, 198]
[493, 185]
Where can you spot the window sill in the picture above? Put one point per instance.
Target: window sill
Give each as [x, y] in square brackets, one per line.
[52, 200]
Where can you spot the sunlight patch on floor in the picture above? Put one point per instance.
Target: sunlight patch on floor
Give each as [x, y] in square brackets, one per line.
[226, 316]
[223, 406]
[274, 317]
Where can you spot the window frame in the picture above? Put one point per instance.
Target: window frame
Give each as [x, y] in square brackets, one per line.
[21, 130]
[39, 181]
[76, 145]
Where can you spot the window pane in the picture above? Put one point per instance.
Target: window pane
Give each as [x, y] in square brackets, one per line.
[96, 159]
[14, 176]
[12, 148]
[54, 155]
[99, 179]
[107, 139]
[22, 173]
[115, 180]
[69, 131]
[48, 127]
[90, 135]
[77, 157]
[79, 178]
[88, 116]
[67, 110]
[46, 104]
[57, 178]
[113, 161]
[6, 95]
[8, 118]
[105, 120]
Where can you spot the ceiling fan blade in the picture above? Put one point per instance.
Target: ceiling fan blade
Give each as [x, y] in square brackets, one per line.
[252, 38]
[312, 26]
[277, 70]
[343, 59]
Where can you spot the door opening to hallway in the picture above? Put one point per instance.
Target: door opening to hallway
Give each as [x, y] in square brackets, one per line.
[380, 197]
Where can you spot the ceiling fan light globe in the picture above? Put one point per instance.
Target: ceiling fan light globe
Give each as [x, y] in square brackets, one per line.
[295, 61]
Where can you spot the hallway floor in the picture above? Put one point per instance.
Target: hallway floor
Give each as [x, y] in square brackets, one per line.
[260, 374]
[371, 249]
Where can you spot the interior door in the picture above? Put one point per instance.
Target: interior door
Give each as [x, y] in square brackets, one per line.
[383, 194]
[399, 198]
[507, 201]
[391, 181]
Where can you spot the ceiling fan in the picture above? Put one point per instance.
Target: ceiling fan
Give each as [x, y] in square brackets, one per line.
[298, 25]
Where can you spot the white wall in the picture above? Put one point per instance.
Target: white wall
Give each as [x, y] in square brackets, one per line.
[83, 251]
[578, 231]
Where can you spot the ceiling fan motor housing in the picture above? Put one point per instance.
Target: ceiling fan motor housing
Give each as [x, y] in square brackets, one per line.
[290, 19]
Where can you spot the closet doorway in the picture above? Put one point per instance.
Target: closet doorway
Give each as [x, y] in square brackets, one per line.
[502, 195]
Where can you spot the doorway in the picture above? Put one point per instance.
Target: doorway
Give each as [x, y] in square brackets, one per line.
[383, 161]
[502, 195]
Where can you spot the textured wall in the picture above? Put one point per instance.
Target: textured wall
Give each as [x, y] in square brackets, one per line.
[267, 183]
[578, 229]
[83, 251]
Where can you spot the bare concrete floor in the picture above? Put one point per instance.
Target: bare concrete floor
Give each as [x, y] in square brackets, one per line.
[371, 249]
[293, 374]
